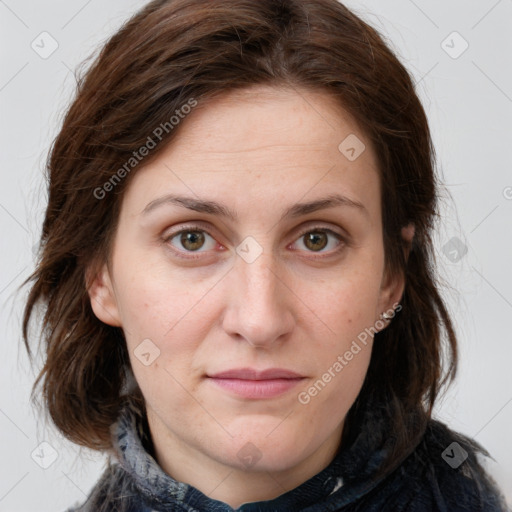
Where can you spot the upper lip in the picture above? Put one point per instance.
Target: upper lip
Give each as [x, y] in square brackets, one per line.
[252, 374]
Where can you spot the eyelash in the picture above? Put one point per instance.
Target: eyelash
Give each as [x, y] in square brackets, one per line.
[315, 229]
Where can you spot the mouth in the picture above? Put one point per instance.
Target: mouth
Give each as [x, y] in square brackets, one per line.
[256, 384]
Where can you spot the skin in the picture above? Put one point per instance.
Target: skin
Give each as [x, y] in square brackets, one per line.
[297, 306]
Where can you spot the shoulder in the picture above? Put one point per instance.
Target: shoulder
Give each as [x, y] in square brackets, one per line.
[114, 492]
[452, 472]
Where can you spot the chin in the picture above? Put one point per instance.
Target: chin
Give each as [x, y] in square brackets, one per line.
[268, 450]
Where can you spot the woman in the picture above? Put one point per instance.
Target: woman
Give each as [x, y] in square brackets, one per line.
[237, 270]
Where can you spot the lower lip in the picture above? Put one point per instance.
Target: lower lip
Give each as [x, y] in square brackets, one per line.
[257, 389]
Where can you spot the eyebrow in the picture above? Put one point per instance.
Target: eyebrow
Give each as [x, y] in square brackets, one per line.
[214, 208]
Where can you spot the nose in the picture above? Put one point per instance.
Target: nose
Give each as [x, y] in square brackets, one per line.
[259, 304]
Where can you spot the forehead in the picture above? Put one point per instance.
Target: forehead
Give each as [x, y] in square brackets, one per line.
[267, 120]
[272, 144]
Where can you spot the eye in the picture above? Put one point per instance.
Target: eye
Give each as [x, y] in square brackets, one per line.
[192, 240]
[317, 239]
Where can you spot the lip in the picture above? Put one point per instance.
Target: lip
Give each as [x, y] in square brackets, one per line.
[251, 374]
[256, 384]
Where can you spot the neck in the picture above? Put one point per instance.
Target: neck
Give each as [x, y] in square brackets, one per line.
[228, 482]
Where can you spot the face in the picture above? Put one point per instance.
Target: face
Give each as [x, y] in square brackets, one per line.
[248, 276]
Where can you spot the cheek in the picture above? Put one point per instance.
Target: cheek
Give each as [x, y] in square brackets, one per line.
[175, 317]
[342, 350]
[168, 317]
[346, 306]
[154, 299]
[347, 302]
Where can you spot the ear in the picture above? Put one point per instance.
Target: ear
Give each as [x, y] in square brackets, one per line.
[392, 287]
[102, 296]
[408, 234]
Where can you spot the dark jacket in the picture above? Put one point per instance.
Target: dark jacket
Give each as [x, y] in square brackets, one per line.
[441, 473]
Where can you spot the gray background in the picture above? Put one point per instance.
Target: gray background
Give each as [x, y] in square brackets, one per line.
[468, 97]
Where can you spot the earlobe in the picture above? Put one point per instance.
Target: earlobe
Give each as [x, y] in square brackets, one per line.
[391, 294]
[102, 296]
[390, 302]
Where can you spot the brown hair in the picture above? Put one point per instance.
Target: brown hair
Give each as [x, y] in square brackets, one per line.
[173, 51]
